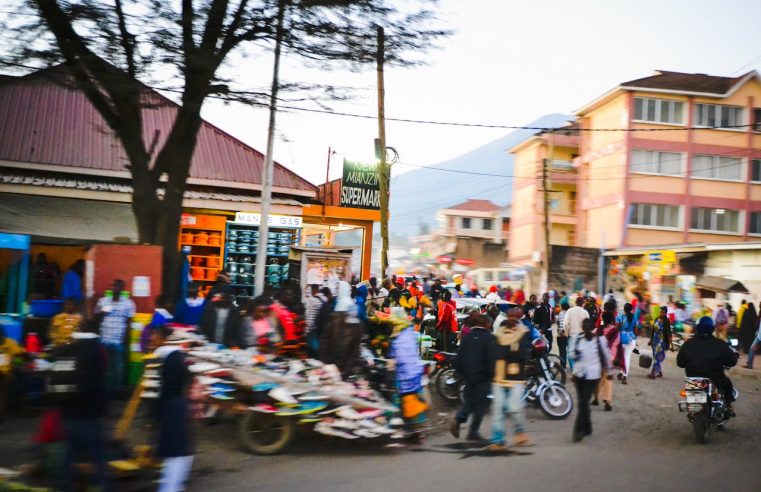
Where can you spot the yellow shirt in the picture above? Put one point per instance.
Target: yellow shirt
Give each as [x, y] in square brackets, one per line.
[62, 326]
[8, 350]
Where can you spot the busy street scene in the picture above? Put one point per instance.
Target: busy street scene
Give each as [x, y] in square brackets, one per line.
[380, 245]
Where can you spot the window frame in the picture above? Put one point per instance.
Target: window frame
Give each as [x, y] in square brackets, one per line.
[718, 116]
[740, 222]
[743, 169]
[657, 110]
[679, 217]
[484, 222]
[465, 223]
[751, 164]
[750, 223]
[682, 163]
[755, 115]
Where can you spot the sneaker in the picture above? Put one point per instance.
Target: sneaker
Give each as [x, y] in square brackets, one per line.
[454, 428]
[608, 408]
[497, 447]
[521, 440]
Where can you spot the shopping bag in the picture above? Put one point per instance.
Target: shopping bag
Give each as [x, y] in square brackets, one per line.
[645, 361]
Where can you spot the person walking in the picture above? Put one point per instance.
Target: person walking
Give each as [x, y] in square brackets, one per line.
[562, 336]
[476, 363]
[171, 413]
[408, 369]
[543, 318]
[572, 325]
[754, 348]
[82, 401]
[627, 329]
[748, 326]
[660, 342]
[591, 359]
[513, 350]
[447, 323]
[609, 330]
[115, 314]
[220, 321]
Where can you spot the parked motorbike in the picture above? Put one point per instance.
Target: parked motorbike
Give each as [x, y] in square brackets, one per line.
[705, 407]
[445, 378]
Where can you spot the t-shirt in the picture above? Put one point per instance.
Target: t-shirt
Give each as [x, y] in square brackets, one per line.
[8, 350]
[114, 324]
[62, 326]
[573, 320]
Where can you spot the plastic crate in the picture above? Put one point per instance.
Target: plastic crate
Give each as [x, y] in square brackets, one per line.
[45, 308]
[12, 326]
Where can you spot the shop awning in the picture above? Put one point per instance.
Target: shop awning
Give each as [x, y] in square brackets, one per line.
[720, 284]
[66, 220]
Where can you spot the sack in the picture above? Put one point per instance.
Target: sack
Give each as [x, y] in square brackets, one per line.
[645, 361]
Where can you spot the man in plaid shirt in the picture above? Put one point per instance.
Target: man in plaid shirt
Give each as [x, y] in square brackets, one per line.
[115, 314]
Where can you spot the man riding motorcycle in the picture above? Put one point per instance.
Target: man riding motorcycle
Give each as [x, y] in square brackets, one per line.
[706, 356]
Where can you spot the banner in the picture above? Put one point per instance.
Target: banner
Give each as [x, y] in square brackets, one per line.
[360, 187]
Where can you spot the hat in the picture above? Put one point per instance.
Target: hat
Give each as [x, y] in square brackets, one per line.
[705, 326]
[493, 288]
[400, 281]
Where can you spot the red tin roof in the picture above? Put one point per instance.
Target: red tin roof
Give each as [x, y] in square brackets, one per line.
[44, 122]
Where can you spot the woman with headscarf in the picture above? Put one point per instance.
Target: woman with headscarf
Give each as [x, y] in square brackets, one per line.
[409, 375]
[341, 338]
[748, 327]
[609, 331]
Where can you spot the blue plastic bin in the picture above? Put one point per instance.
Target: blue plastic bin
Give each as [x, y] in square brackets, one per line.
[12, 326]
[45, 308]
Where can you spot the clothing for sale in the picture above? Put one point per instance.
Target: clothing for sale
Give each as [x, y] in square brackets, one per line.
[117, 314]
[477, 357]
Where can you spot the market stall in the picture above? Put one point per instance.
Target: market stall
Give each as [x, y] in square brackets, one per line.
[15, 249]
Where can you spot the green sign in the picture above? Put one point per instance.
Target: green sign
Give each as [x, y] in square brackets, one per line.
[360, 187]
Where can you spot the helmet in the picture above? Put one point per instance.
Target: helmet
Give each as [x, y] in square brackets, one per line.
[705, 326]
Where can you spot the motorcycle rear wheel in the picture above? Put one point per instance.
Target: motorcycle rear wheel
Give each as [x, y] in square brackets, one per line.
[702, 427]
[556, 369]
[447, 389]
[555, 401]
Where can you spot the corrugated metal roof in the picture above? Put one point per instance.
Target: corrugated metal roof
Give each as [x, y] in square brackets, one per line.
[689, 82]
[45, 122]
[474, 205]
[96, 184]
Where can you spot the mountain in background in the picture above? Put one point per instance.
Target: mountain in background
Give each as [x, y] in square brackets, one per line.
[417, 195]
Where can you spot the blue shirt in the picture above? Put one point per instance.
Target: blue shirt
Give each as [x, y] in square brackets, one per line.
[71, 288]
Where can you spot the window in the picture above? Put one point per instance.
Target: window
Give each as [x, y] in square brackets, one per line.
[658, 110]
[488, 276]
[466, 222]
[755, 223]
[717, 167]
[572, 202]
[715, 219]
[756, 119]
[651, 215]
[755, 168]
[717, 115]
[487, 225]
[656, 162]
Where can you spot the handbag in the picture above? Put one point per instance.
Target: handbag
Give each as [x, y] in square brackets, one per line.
[645, 361]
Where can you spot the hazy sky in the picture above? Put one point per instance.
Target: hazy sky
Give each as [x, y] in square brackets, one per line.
[509, 62]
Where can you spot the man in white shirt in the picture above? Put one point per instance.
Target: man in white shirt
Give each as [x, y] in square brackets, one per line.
[572, 325]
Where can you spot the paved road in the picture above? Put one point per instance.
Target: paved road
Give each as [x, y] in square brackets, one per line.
[643, 444]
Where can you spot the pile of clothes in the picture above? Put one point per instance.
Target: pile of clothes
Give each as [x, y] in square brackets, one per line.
[303, 389]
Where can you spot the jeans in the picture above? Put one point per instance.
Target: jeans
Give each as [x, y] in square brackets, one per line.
[563, 350]
[476, 404]
[752, 351]
[115, 370]
[507, 401]
[571, 349]
[175, 474]
[84, 439]
[584, 389]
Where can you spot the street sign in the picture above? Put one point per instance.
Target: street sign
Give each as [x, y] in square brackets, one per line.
[360, 187]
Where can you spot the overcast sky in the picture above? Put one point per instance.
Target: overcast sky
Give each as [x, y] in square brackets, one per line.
[509, 62]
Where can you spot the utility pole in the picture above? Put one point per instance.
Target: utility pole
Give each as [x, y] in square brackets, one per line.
[382, 166]
[269, 166]
[546, 163]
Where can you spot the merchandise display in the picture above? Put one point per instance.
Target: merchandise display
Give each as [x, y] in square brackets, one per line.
[204, 234]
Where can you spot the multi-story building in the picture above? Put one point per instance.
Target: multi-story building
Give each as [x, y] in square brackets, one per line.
[685, 169]
[557, 151]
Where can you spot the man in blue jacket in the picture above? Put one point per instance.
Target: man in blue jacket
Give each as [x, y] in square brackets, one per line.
[475, 361]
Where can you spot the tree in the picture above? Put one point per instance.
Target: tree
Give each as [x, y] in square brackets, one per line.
[115, 48]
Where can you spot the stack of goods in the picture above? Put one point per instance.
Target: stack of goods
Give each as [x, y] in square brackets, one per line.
[307, 390]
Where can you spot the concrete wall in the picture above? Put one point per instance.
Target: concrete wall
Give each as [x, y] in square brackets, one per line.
[570, 263]
[485, 253]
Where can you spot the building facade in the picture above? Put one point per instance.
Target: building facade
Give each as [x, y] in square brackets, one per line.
[689, 172]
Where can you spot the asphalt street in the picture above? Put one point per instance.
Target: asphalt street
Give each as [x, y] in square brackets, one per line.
[645, 443]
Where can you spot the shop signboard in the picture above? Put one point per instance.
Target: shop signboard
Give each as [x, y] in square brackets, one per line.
[662, 262]
[360, 187]
[274, 220]
[326, 270]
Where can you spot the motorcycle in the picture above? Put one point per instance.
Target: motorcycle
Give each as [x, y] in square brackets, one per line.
[445, 378]
[705, 407]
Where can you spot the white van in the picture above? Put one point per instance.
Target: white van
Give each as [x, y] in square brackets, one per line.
[486, 277]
